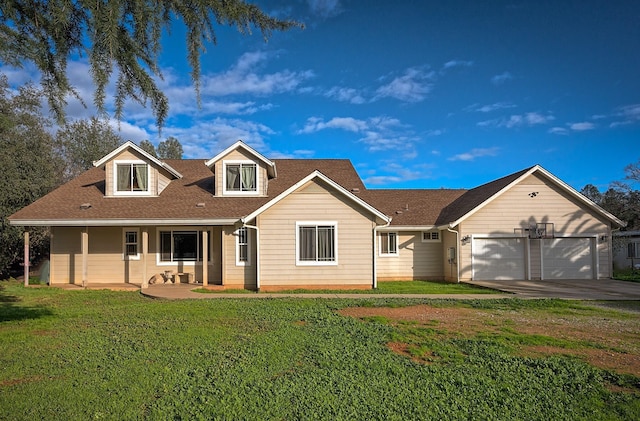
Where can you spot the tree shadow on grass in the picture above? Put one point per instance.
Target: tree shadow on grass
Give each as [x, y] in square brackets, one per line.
[10, 308]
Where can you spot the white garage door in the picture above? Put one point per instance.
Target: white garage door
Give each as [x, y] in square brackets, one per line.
[567, 258]
[498, 258]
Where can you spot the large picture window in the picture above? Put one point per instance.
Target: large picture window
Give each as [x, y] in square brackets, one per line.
[317, 243]
[180, 246]
[241, 177]
[389, 243]
[132, 177]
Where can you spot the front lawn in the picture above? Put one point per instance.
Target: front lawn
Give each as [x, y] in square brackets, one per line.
[79, 355]
[387, 287]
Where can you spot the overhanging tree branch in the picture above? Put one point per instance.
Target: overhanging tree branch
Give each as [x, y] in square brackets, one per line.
[124, 34]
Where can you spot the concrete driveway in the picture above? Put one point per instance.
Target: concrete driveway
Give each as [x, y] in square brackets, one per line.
[580, 289]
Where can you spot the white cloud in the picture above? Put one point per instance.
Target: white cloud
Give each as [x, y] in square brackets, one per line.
[315, 124]
[628, 114]
[581, 127]
[457, 63]
[325, 8]
[129, 131]
[243, 79]
[558, 130]
[501, 78]
[412, 86]
[378, 133]
[490, 107]
[380, 180]
[205, 138]
[518, 120]
[345, 95]
[475, 153]
[576, 127]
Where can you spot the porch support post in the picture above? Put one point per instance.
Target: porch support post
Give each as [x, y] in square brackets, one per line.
[26, 258]
[145, 252]
[205, 259]
[85, 255]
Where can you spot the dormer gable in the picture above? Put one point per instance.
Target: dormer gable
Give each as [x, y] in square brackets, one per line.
[241, 171]
[130, 171]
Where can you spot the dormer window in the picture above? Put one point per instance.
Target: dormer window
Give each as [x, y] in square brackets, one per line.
[240, 177]
[131, 178]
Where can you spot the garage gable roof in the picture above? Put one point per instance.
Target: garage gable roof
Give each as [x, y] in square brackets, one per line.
[475, 199]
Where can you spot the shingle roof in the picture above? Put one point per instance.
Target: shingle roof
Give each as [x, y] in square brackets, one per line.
[411, 207]
[179, 198]
[473, 198]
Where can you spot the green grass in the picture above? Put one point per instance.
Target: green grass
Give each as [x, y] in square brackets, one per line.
[79, 355]
[388, 287]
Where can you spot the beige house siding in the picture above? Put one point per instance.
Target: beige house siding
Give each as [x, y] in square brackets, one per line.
[516, 209]
[415, 259]
[240, 155]
[105, 261]
[315, 202]
[65, 256]
[238, 276]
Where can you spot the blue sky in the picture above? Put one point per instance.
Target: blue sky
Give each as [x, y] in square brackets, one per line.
[417, 94]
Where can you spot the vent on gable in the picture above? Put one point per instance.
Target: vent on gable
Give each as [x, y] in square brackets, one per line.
[200, 205]
[85, 206]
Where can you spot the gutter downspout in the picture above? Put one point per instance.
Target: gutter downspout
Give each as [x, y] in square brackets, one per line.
[375, 254]
[457, 252]
[245, 225]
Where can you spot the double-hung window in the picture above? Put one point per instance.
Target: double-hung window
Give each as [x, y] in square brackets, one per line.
[131, 177]
[388, 243]
[131, 248]
[633, 250]
[240, 177]
[242, 247]
[316, 243]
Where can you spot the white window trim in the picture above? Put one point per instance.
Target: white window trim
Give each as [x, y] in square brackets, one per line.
[430, 240]
[237, 235]
[316, 224]
[124, 243]
[159, 262]
[386, 253]
[130, 193]
[239, 193]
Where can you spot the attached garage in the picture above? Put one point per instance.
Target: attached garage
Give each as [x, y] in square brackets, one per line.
[568, 258]
[498, 258]
[554, 258]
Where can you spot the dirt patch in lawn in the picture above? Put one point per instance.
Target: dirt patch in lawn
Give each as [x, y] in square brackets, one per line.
[605, 342]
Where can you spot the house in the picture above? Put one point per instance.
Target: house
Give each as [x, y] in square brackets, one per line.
[626, 250]
[241, 220]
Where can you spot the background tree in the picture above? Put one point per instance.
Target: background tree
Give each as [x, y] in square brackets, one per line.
[170, 149]
[148, 147]
[621, 198]
[80, 143]
[30, 169]
[120, 34]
